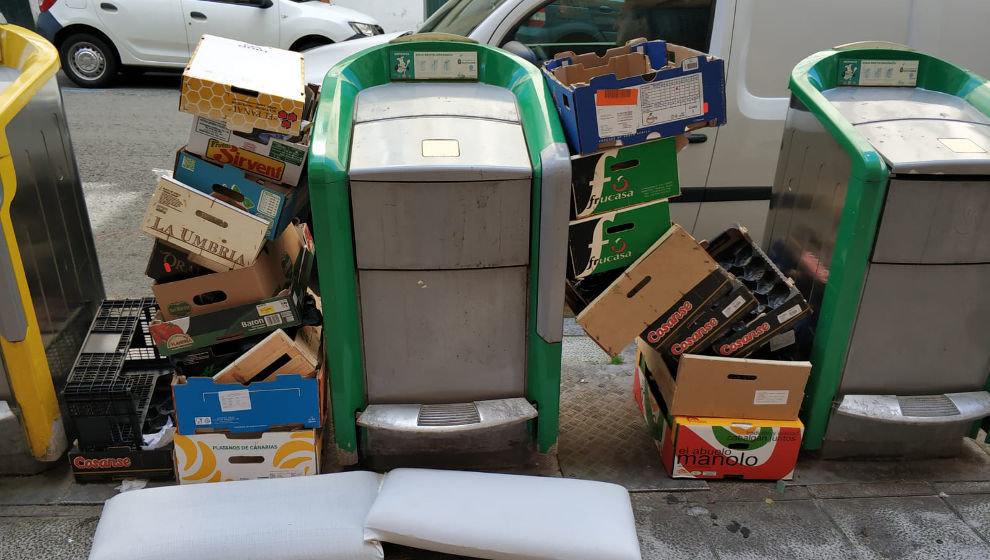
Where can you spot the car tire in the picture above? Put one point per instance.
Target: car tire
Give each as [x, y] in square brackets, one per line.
[88, 60]
[305, 44]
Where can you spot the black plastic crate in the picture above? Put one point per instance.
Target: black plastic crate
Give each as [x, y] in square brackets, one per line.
[110, 387]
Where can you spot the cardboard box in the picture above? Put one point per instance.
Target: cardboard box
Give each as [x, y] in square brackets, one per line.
[648, 398]
[190, 333]
[671, 268]
[621, 177]
[714, 386]
[701, 317]
[710, 448]
[276, 355]
[274, 203]
[169, 263]
[224, 236]
[222, 457]
[609, 101]
[616, 239]
[285, 262]
[246, 86]
[118, 463]
[204, 405]
[275, 156]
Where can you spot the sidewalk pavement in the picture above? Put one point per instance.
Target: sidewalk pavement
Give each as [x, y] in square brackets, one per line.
[832, 509]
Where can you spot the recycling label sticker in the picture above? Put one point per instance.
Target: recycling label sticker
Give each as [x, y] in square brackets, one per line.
[453, 65]
[856, 72]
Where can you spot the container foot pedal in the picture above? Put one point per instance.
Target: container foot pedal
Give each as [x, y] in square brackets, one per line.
[477, 416]
[948, 408]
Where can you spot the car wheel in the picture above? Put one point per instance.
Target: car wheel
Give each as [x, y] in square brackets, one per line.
[88, 60]
[310, 43]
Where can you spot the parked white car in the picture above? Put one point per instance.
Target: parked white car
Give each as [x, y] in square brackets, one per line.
[98, 38]
[726, 172]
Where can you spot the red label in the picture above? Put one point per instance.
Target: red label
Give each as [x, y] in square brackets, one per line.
[616, 97]
[739, 343]
[81, 462]
[665, 328]
[681, 347]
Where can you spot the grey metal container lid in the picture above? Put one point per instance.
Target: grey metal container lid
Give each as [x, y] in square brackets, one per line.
[918, 131]
[447, 99]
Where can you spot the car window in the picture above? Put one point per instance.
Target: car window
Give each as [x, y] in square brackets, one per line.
[460, 17]
[597, 25]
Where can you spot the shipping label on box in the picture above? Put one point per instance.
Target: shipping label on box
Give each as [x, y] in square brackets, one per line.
[118, 463]
[725, 447]
[651, 285]
[713, 386]
[622, 177]
[190, 333]
[224, 236]
[285, 262]
[203, 404]
[247, 86]
[274, 203]
[222, 457]
[605, 101]
[278, 157]
[616, 239]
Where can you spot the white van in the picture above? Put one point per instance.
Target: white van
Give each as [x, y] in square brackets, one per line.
[727, 172]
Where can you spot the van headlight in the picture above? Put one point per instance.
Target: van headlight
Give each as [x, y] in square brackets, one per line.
[366, 29]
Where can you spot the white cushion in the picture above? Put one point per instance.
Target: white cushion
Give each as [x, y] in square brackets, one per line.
[502, 517]
[304, 518]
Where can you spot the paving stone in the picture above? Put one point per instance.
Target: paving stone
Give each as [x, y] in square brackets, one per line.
[919, 527]
[51, 538]
[571, 328]
[872, 490]
[89, 493]
[972, 464]
[45, 488]
[749, 491]
[975, 512]
[759, 531]
[670, 529]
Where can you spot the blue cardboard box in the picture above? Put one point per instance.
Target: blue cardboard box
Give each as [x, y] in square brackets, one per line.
[275, 203]
[641, 91]
[203, 405]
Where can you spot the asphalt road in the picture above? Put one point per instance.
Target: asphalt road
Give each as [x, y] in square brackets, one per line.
[124, 138]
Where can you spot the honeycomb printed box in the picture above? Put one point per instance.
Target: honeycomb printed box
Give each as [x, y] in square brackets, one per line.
[621, 177]
[203, 404]
[285, 262]
[222, 457]
[247, 86]
[276, 156]
[277, 204]
[616, 239]
[636, 92]
[223, 236]
[191, 333]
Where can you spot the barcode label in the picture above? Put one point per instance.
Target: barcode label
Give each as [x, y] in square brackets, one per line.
[273, 307]
[782, 340]
[203, 420]
[273, 320]
[785, 316]
[690, 64]
[617, 96]
[734, 306]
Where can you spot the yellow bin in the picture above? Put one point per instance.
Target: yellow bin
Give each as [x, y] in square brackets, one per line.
[50, 284]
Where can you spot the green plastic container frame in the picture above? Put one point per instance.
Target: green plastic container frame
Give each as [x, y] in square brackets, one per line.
[867, 190]
[332, 226]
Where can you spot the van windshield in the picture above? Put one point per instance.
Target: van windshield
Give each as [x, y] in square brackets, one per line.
[460, 17]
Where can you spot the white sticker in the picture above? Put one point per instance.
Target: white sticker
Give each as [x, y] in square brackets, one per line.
[213, 129]
[670, 100]
[273, 320]
[690, 64]
[233, 401]
[273, 307]
[771, 397]
[203, 420]
[445, 65]
[617, 120]
[782, 340]
[269, 203]
[785, 316]
[888, 73]
[734, 306]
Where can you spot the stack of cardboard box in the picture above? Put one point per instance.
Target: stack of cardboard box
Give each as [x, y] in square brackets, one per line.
[636, 276]
[231, 265]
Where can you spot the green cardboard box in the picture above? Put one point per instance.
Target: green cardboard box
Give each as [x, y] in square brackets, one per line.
[616, 239]
[623, 177]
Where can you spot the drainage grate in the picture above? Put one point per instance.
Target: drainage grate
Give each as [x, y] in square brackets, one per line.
[448, 415]
[927, 406]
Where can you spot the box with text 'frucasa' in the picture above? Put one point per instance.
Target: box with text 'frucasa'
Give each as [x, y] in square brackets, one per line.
[637, 92]
[270, 201]
[621, 177]
[616, 239]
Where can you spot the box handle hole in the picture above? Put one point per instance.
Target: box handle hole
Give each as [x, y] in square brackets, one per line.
[272, 368]
[216, 296]
[743, 446]
[242, 91]
[246, 459]
[211, 219]
[620, 228]
[227, 192]
[622, 165]
[742, 377]
[642, 284]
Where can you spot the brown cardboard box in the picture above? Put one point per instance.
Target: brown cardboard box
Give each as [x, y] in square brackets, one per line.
[275, 355]
[671, 268]
[224, 236]
[714, 386]
[274, 271]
